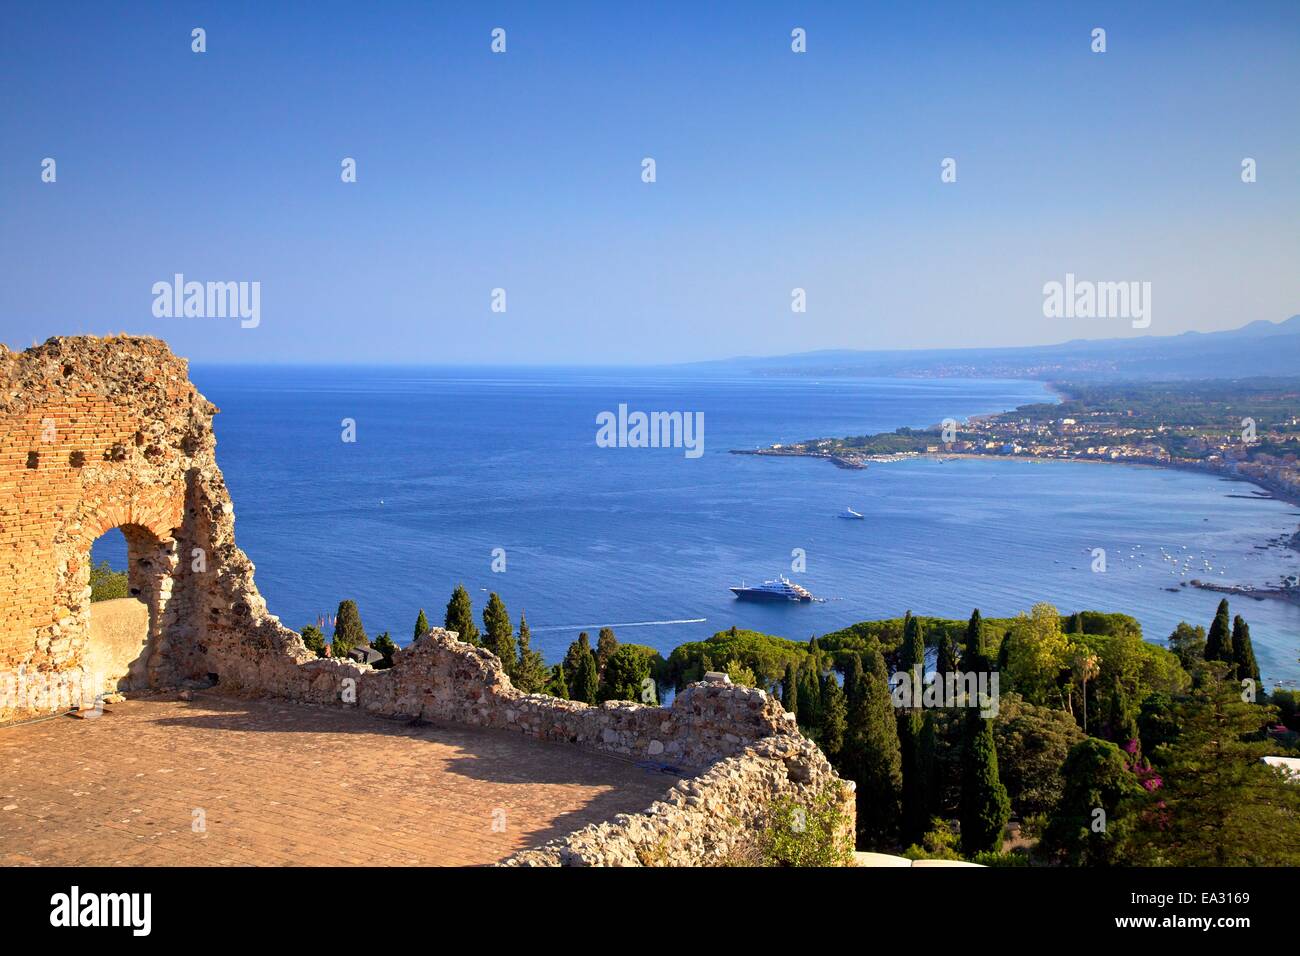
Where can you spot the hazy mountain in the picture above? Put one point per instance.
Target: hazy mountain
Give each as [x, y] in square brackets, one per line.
[1259, 348]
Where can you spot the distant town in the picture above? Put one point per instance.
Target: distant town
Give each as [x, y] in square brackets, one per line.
[1247, 430]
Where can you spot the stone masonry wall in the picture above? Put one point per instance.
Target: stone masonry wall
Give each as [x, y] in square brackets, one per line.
[97, 434]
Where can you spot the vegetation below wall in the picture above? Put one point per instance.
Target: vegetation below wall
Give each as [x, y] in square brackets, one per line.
[107, 584]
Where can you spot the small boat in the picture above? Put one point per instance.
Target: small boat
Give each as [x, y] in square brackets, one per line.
[852, 515]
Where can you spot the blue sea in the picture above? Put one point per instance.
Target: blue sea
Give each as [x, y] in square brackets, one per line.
[449, 465]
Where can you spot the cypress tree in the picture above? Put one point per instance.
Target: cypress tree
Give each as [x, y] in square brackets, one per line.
[973, 659]
[911, 658]
[387, 646]
[606, 645]
[1218, 644]
[870, 755]
[790, 690]
[531, 676]
[929, 761]
[499, 633]
[948, 660]
[586, 684]
[460, 616]
[421, 626]
[834, 717]
[852, 680]
[810, 694]
[571, 658]
[348, 632]
[1243, 653]
[912, 652]
[985, 807]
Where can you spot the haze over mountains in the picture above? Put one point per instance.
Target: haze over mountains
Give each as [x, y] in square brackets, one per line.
[1257, 349]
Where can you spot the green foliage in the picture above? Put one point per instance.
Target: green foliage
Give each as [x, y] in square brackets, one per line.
[835, 717]
[1218, 803]
[1243, 652]
[870, 756]
[740, 674]
[586, 684]
[531, 675]
[799, 834]
[626, 672]
[314, 638]
[1130, 670]
[107, 584]
[421, 626]
[606, 645]
[766, 656]
[558, 686]
[386, 646]
[985, 807]
[1287, 703]
[1218, 645]
[1188, 644]
[460, 616]
[348, 632]
[809, 681]
[1088, 826]
[1038, 653]
[938, 843]
[1032, 744]
[790, 690]
[499, 632]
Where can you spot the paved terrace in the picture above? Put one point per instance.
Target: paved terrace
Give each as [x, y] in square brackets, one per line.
[292, 784]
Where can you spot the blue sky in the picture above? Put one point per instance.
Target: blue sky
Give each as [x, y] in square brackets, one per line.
[522, 171]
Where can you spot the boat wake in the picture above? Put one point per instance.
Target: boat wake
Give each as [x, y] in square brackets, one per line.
[596, 627]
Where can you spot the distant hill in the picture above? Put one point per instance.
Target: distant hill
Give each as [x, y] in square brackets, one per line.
[1259, 348]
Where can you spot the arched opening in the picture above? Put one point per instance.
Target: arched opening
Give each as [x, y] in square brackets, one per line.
[125, 574]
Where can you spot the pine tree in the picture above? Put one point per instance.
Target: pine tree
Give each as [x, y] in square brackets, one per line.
[586, 685]
[1243, 653]
[1218, 645]
[348, 632]
[314, 639]
[790, 690]
[870, 754]
[460, 616]
[1188, 644]
[834, 717]
[421, 626]
[531, 674]
[558, 687]
[606, 645]
[499, 636]
[1217, 803]
[985, 806]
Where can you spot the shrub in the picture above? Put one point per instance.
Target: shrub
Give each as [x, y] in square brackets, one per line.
[796, 833]
[107, 584]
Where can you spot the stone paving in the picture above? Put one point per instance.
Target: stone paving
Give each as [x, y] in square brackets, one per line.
[227, 781]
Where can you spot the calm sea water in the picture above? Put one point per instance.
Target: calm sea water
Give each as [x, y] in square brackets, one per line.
[450, 464]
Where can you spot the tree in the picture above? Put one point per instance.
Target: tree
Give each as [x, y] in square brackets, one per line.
[1188, 645]
[571, 658]
[606, 645]
[531, 674]
[852, 680]
[985, 806]
[557, 686]
[790, 690]
[1033, 743]
[1085, 666]
[1217, 803]
[1243, 653]
[835, 715]
[975, 658]
[1038, 653]
[386, 646]
[949, 658]
[911, 660]
[460, 616]
[1089, 826]
[586, 684]
[625, 674]
[870, 754]
[499, 633]
[348, 632]
[314, 639]
[810, 693]
[1218, 646]
[421, 626]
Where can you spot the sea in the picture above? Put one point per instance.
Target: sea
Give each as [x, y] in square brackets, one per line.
[391, 485]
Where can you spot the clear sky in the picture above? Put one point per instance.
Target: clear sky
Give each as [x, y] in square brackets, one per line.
[522, 171]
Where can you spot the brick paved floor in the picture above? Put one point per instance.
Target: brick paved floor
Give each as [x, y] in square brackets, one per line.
[292, 784]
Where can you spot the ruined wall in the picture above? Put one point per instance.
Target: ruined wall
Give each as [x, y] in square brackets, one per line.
[98, 434]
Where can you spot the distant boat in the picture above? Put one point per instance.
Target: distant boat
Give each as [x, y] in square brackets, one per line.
[850, 513]
[782, 589]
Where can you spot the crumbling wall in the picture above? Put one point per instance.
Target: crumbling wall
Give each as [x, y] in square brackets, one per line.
[98, 434]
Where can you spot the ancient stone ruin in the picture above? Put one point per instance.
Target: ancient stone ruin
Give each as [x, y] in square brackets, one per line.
[97, 434]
